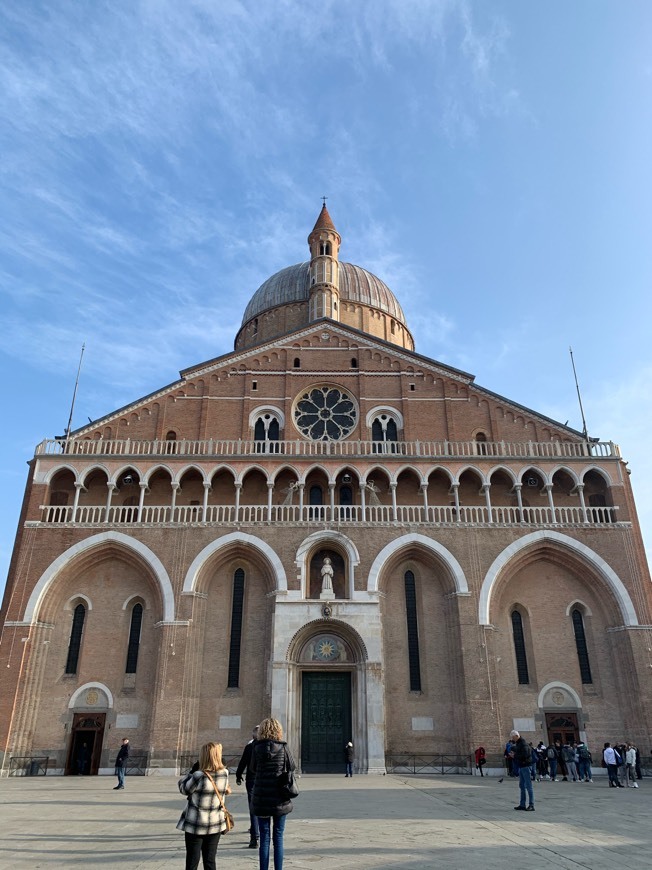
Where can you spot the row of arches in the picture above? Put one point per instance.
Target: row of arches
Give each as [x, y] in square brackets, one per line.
[313, 548]
[193, 495]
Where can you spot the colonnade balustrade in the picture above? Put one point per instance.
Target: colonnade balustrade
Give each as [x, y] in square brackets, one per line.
[210, 447]
[310, 514]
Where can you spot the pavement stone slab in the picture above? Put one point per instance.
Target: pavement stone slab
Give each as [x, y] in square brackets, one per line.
[380, 822]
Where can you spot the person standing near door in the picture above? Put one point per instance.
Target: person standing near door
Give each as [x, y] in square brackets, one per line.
[349, 755]
[121, 763]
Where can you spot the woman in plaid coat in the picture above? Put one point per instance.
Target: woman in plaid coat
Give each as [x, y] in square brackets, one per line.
[203, 819]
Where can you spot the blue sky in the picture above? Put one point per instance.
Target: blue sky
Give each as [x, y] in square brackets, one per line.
[489, 160]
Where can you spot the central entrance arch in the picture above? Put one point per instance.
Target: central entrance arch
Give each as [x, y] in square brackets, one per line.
[329, 692]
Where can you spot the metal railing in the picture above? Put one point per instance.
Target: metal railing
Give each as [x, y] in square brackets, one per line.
[211, 447]
[136, 765]
[434, 515]
[429, 764]
[28, 765]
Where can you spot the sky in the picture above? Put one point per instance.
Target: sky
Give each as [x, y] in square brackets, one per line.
[489, 160]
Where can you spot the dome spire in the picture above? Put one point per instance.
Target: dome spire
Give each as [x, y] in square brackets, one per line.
[324, 221]
[324, 243]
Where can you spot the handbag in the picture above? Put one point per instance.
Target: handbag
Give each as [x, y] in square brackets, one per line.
[287, 786]
[228, 818]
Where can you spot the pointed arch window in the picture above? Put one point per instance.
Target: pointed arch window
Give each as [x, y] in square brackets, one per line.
[267, 432]
[237, 606]
[74, 645]
[519, 648]
[412, 631]
[134, 638]
[582, 649]
[384, 434]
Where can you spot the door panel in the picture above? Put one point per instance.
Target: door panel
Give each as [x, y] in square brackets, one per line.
[326, 721]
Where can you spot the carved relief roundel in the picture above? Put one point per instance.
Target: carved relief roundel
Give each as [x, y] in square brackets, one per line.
[325, 414]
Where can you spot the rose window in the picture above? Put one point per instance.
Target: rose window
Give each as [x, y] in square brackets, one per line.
[325, 414]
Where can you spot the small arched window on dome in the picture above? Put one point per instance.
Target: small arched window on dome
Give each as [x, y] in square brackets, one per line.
[384, 434]
[267, 432]
[255, 327]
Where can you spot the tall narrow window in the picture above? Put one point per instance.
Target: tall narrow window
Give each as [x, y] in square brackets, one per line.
[75, 639]
[582, 650]
[134, 639]
[519, 648]
[236, 629]
[412, 632]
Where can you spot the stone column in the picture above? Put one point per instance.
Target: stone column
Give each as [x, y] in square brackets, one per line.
[487, 498]
[204, 507]
[551, 503]
[111, 488]
[270, 492]
[519, 500]
[141, 500]
[580, 491]
[78, 489]
[392, 489]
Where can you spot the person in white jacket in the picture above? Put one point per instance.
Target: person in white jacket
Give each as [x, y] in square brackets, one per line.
[630, 766]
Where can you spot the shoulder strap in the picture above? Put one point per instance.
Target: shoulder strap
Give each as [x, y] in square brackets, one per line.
[217, 791]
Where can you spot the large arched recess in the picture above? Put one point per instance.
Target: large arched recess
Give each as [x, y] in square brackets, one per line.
[554, 543]
[421, 582]
[234, 543]
[228, 642]
[124, 546]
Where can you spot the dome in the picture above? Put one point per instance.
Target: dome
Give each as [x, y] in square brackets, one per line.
[293, 285]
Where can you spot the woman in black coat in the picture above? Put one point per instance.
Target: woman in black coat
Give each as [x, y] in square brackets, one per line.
[268, 761]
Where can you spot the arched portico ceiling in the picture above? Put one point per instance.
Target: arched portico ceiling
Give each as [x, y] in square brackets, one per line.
[556, 539]
[227, 541]
[422, 542]
[132, 545]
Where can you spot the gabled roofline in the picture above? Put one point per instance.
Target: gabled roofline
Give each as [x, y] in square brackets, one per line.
[362, 337]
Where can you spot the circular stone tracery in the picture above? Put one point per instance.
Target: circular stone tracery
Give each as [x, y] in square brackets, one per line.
[325, 414]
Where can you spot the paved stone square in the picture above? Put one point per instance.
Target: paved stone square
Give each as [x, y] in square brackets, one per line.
[366, 822]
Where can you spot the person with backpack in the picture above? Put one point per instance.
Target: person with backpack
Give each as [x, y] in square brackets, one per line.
[522, 760]
[584, 762]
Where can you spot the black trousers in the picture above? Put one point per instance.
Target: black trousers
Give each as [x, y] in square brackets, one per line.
[204, 847]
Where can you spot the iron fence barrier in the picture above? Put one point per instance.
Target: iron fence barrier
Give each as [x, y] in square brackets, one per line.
[136, 765]
[431, 764]
[28, 765]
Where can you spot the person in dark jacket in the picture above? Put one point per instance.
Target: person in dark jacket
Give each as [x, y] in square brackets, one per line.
[349, 755]
[268, 761]
[121, 763]
[522, 758]
[244, 767]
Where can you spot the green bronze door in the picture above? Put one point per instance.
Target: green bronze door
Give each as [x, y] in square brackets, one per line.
[325, 722]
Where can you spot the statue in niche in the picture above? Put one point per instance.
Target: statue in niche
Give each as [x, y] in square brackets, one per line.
[327, 579]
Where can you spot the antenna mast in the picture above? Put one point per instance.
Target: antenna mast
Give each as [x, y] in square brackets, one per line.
[74, 395]
[579, 396]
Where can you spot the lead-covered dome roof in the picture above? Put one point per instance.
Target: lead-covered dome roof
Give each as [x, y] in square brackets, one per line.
[292, 284]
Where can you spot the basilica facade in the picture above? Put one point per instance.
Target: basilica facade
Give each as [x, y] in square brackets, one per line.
[326, 527]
